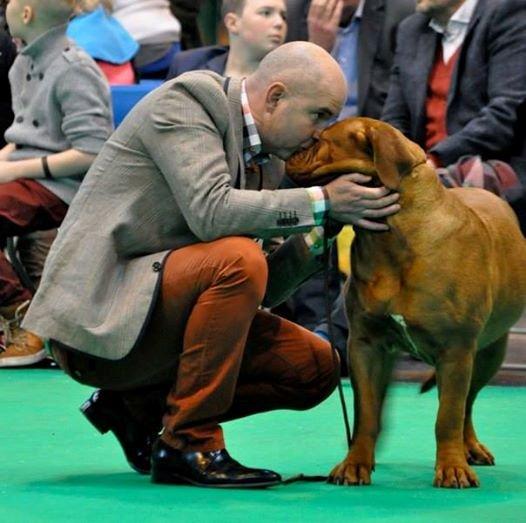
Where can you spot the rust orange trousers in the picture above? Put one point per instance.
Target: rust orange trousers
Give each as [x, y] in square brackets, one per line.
[209, 353]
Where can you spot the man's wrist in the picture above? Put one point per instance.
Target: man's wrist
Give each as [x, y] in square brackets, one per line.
[320, 204]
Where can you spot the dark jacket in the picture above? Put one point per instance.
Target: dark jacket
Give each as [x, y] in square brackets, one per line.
[376, 46]
[211, 58]
[488, 88]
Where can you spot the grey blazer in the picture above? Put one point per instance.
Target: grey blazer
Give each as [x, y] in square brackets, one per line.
[487, 92]
[165, 179]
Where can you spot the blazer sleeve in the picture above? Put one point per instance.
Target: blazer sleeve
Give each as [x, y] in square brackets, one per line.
[186, 139]
[492, 131]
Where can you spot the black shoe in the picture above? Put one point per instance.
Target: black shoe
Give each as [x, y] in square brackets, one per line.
[206, 469]
[106, 411]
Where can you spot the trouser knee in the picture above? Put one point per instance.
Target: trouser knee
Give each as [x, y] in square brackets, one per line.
[314, 391]
[246, 261]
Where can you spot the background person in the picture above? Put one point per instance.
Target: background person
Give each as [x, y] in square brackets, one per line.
[255, 27]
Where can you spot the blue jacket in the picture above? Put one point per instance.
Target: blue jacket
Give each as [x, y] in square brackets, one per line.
[211, 58]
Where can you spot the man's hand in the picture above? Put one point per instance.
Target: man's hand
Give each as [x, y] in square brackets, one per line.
[323, 20]
[354, 204]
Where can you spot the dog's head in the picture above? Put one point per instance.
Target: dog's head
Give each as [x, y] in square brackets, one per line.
[360, 145]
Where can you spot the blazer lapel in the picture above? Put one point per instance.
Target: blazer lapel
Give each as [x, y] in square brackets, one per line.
[425, 55]
[236, 112]
[459, 66]
[368, 41]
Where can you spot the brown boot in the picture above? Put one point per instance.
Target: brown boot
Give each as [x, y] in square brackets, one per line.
[18, 347]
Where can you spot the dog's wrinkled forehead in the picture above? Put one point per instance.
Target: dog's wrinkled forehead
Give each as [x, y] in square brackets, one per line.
[359, 145]
[348, 137]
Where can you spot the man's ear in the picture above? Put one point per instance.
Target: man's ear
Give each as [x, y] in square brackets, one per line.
[275, 94]
[28, 13]
[231, 21]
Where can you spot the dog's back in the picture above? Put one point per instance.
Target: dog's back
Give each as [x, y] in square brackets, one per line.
[506, 264]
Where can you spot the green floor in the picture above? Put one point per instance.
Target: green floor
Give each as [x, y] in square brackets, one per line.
[55, 467]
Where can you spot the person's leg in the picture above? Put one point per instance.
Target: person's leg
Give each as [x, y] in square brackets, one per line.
[196, 338]
[25, 206]
[285, 367]
[194, 343]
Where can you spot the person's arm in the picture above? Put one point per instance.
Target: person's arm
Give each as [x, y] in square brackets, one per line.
[87, 122]
[323, 21]
[492, 131]
[65, 163]
[200, 178]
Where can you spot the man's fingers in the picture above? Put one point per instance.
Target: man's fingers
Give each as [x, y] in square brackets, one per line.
[337, 12]
[380, 202]
[325, 9]
[380, 213]
[356, 177]
[372, 226]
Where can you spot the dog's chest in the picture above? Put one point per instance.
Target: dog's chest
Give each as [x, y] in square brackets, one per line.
[384, 298]
[401, 338]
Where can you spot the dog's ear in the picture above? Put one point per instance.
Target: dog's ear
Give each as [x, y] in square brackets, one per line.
[394, 155]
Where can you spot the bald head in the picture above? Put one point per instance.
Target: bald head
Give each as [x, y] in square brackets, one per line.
[296, 90]
[301, 66]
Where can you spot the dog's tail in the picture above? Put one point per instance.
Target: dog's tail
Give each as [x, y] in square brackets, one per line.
[429, 383]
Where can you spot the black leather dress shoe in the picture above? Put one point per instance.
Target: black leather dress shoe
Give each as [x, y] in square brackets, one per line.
[106, 411]
[206, 469]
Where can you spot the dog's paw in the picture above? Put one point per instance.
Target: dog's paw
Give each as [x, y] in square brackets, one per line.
[478, 454]
[351, 472]
[448, 475]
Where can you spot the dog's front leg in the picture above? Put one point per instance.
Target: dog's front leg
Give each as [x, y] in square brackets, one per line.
[370, 367]
[454, 370]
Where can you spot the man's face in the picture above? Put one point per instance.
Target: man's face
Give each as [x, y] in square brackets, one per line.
[297, 119]
[262, 25]
[434, 8]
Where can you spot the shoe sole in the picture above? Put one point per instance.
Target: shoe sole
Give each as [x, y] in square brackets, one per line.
[90, 413]
[169, 478]
[23, 361]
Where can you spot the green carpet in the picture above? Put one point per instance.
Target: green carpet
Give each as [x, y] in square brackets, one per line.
[55, 467]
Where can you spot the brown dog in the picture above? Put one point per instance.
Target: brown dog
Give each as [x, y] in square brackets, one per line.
[446, 283]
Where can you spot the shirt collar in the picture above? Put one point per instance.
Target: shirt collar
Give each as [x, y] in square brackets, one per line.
[460, 19]
[359, 9]
[252, 146]
[47, 43]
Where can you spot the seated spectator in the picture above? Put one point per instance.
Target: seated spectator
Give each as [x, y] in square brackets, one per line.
[104, 38]
[255, 27]
[459, 84]
[154, 27]
[62, 118]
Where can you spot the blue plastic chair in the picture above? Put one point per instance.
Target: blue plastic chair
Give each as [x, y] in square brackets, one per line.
[124, 97]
